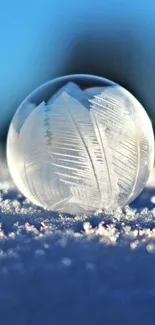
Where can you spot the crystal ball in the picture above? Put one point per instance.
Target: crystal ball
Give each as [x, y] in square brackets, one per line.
[80, 143]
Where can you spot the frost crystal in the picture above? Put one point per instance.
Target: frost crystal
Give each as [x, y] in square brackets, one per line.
[81, 151]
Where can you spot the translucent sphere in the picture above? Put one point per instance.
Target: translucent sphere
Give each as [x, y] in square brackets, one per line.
[80, 143]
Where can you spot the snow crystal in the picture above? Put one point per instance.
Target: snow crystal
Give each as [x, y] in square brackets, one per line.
[152, 199]
[66, 261]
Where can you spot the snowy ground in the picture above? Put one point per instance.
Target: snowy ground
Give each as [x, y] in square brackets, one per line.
[60, 270]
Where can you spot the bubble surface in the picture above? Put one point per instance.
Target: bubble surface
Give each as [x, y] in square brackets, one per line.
[79, 144]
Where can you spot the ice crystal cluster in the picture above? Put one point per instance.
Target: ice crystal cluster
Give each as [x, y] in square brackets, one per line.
[79, 150]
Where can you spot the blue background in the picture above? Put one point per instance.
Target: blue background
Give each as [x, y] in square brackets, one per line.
[42, 39]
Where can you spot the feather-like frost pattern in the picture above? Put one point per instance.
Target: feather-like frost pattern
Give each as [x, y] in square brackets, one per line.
[42, 181]
[82, 150]
[126, 139]
[77, 155]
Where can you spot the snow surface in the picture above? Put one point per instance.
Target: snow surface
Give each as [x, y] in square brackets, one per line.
[60, 270]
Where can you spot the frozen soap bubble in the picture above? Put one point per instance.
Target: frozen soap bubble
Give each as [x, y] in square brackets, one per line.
[80, 143]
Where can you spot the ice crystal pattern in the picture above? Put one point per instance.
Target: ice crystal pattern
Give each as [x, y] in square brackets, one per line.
[81, 151]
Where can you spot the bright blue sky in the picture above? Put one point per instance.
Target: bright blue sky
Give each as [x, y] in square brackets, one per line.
[37, 35]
